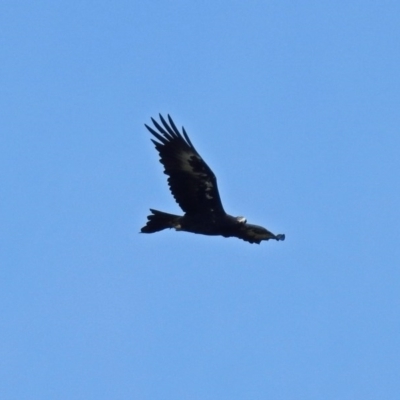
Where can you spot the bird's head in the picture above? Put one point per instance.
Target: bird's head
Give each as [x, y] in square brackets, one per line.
[259, 233]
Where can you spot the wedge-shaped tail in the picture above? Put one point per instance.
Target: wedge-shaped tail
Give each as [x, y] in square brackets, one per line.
[158, 220]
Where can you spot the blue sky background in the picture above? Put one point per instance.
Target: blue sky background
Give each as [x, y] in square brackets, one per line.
[295, 106]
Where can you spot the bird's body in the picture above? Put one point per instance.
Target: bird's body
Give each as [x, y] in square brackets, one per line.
[194, 187]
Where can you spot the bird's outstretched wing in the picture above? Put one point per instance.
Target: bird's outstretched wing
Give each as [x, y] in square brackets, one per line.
[190, 179]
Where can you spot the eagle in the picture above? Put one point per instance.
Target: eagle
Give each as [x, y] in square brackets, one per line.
[194, 187]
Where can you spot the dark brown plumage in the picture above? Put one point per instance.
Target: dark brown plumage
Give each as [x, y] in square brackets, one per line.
[194, 187]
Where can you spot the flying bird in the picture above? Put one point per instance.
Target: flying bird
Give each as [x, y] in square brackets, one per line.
[194, 187]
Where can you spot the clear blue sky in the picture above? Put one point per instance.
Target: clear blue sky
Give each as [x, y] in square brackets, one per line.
[295, 105]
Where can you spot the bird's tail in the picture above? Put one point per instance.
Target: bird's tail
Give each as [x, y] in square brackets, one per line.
[158, 220]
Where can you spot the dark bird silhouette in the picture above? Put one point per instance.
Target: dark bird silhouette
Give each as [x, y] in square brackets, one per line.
[194, 187]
